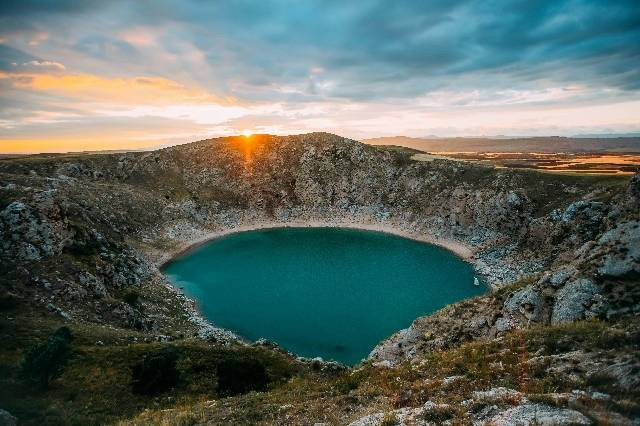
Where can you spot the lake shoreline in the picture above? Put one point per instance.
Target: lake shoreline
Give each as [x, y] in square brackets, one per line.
[401, 277]
[461, 250]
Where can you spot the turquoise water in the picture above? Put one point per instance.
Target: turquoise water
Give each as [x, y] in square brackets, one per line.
[333, 293]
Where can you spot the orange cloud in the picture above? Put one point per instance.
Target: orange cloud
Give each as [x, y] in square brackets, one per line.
[29, 146]
[100, 134]
[130, 91]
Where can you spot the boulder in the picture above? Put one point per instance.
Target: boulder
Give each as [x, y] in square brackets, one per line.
[427, 414]
[538, 414]
[582, 220]
[525, 302]
[589, 211]
[622, 245]
[625, 373]
[558, 277]
[577, 300]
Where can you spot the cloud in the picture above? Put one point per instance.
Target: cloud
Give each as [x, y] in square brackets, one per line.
[362, 68]
[88, 133]
[10, 56]
[139, 36]
[97, 89]
[53, 65]
[370, 50]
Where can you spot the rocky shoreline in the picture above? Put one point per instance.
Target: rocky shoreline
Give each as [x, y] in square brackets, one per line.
[208, 330]
[458, 248]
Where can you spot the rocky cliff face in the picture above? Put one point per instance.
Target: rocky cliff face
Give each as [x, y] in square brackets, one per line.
[595, 275]
[106, 218]
[82, 236]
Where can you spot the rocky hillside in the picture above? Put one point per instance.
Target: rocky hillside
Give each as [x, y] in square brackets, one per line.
[82, 238]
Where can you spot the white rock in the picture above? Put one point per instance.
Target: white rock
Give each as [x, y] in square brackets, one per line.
[538, 414]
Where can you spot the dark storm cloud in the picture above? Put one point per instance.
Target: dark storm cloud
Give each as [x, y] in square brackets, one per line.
[399, 49]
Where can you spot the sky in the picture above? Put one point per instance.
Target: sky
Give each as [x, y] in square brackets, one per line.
[94, 74]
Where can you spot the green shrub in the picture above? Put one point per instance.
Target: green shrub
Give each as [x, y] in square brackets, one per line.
[601, 380]
[8, 302]
[131, 298]
[389, 419]
[46, 360]
[241, 375]
[347, 383]
[156, 372]
[439, 414]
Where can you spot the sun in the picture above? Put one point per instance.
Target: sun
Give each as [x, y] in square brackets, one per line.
[247, 133]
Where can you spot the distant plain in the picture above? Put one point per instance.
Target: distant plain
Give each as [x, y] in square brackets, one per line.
[594, 156]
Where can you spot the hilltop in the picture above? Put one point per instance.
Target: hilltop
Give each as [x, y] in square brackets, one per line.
[84, 237]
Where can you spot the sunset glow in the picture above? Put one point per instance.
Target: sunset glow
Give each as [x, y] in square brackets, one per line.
[124, 78]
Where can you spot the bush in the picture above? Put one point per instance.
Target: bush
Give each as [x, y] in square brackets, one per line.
[439, 414]
[46, 360]
[347, 383]
[389, 419]
[156, 372]
[8, 301]
[238, 376]
[601, 380]
[131, 298]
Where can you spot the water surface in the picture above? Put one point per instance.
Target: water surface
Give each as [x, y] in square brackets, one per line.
[328, 292]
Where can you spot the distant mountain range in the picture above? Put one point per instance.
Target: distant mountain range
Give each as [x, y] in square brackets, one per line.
[601, 143]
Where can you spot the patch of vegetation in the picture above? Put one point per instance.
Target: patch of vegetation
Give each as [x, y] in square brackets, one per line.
[156, 373]
[131, 297]
[440, 414]
[389, 419]
[48, 359]
[601, 380]
[238, 376]
[591, 334]
[349, 381]
[215, 383]
[401, 155]
[8, 302]
[398, 148]
[83, 242]
[96, 386]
